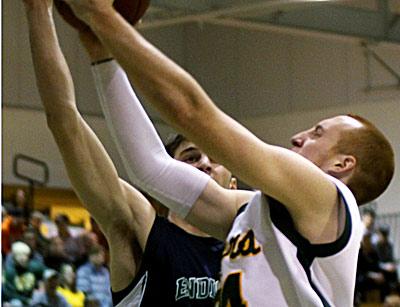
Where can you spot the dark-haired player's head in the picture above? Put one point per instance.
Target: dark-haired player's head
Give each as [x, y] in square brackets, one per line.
[186, 151]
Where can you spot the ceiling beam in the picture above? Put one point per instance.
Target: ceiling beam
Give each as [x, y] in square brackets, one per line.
[269, 5]
[271, 28]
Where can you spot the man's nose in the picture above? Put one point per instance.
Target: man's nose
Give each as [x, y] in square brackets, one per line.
[204, 164]
[297, 140]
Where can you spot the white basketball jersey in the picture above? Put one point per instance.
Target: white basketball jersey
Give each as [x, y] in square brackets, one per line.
[267, 262]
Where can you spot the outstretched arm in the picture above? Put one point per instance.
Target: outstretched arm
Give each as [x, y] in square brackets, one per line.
[174, 183]
[308, 194]
[122, 213]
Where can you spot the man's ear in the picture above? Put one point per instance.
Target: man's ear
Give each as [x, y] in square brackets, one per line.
[233, 183]
[342, 166]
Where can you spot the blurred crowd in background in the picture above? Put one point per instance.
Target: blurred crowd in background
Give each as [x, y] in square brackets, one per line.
[43, 267]
[377, 275]
[50, 262]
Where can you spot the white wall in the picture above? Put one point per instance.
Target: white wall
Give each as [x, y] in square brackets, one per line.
[252, 72]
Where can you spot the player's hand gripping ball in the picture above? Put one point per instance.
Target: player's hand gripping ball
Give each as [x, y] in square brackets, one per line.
[131, 10]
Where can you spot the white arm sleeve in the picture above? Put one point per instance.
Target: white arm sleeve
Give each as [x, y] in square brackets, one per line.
[174, 183]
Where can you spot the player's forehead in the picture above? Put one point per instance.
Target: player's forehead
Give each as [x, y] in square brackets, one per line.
[339, 122]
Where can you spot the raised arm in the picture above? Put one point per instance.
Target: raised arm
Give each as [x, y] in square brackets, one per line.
[122, 213]
[305, 190]
[174, 183]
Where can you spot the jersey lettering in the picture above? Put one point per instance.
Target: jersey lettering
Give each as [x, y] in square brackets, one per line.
[196, 288]
[243, 244]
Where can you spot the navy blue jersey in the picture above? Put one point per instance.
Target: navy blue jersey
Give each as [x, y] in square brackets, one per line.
[177, 269]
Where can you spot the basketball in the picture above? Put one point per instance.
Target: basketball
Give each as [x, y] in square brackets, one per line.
[131, 10]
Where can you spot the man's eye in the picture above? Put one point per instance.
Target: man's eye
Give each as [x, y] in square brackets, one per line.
[317, 132]
[190, 159]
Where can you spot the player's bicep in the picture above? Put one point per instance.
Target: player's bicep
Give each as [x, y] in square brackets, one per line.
[294, 180]
[139, 213]
[216, 208]
[88, 165]
[111, 201]
[278, 172]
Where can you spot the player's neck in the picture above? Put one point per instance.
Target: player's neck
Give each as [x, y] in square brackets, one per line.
[186, 226]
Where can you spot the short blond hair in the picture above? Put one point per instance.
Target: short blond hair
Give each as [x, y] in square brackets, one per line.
[374, 156]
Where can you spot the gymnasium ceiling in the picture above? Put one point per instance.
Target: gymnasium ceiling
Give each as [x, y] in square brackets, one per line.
[377, 20]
